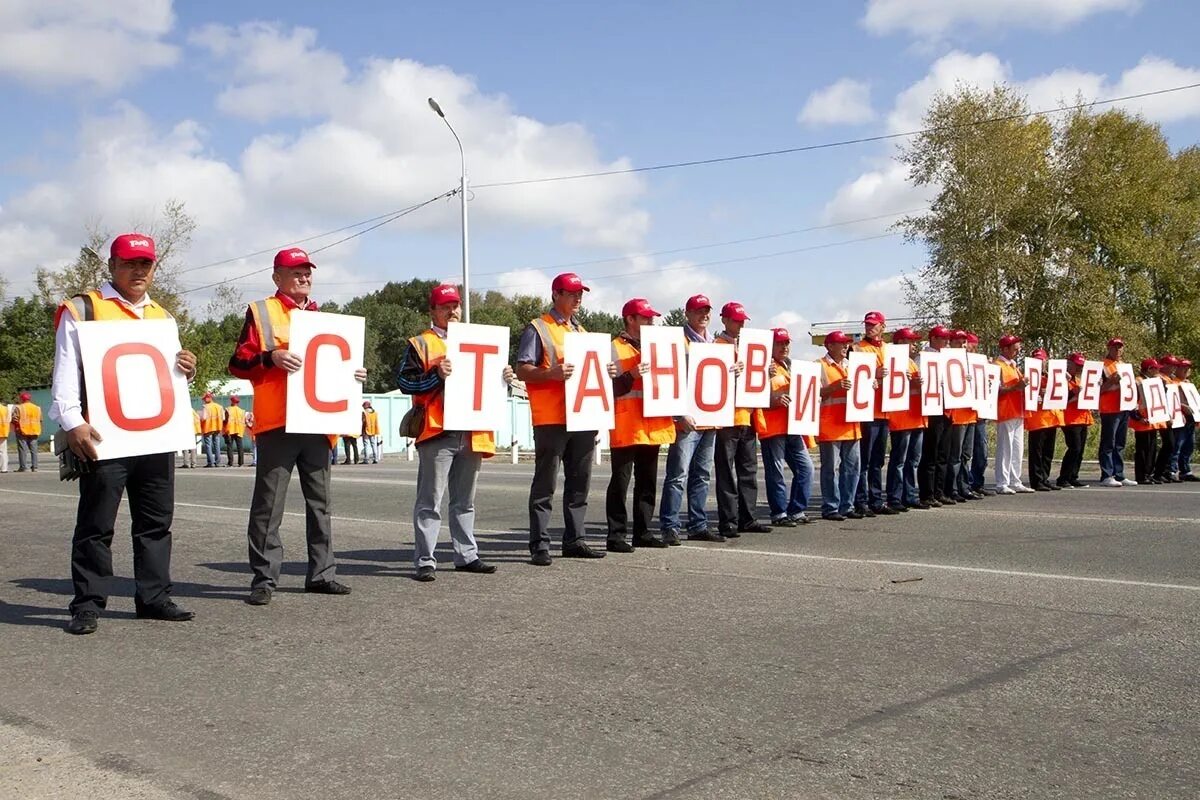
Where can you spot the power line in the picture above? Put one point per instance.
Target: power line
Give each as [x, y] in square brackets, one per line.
[391, 218]
[829, 145]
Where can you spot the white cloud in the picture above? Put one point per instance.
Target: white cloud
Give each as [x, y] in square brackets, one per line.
[845, 102]
[933, 19]
[53, 43]
[875, 193]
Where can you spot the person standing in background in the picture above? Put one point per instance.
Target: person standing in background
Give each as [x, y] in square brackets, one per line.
[370, 433]
[28, 422]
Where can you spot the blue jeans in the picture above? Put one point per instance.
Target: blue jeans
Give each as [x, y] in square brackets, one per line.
[839, 476]
[902, 467]
[690, 462]
[1187, 445]
[1113, 429]
[979, 459]
[790, 450]
[873, 447]
[212, 449]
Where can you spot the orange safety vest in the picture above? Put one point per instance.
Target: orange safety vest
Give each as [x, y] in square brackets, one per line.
[741, 416]
[773, 421]
[212, 417]
[1110, 401]
[911, 418]
[865, 346]
[370, 423]
[5, 422]
[1140, 425]
[548, 399]
[235, 421]
[29, 420]
[196, 422]
[432, 350]
[1074, 415]
[273, 323]
[1042, 419]
[1011, 405]
[834, 427]
[631, 426]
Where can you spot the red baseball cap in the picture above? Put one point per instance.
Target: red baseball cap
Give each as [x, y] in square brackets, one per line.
[905, 335]
[1149, 363]
[292, 257]
[959, 334]
[874, 318]
[735, 311]
[132, 246]
[366, 403]
[568, 282]
[234, 399]
[781, 334]
[1116, 341]
[207, 396]
[638, 307]
[837, 337]
[972, 338]
[697, 302]
[940, 332]
[1009, 339]
[1184, 362]
[26, 397]
[1040, 353]
[1077, 358]
[1168, 361]
[443, 293]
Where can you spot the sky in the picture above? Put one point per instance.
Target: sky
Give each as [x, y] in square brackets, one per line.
[274, 122]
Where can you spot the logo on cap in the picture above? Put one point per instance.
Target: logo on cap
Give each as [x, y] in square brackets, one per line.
[697, 302]
[837, 337]
[781, 335]
[639, 307]
[874, 318]
[132, 247]
[444, 293]
[735, 311]
[292, 257]
[568, 282]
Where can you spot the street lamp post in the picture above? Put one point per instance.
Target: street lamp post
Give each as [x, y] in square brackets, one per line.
[462, 197]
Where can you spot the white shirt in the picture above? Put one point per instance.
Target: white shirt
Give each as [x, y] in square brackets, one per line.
[66, 395]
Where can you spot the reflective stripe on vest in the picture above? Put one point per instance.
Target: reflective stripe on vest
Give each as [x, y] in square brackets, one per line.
[270, 387]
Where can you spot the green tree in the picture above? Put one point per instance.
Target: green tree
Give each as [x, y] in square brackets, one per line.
[26, 345]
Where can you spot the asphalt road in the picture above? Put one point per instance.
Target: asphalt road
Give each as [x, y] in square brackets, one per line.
[1032, 646]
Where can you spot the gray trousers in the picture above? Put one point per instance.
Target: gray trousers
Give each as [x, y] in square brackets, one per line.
[446, 461]
[551, 444]
[27, 452]
[278, 453]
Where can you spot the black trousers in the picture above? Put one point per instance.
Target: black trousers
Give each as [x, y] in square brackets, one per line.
[640, 461]
[552, 444]
[1145, 451]
[737, 477]
[230, 443]
[1041, 456]
[150, 481]
[1162, 461]
[1076, 439]
[350, 443]
[935, 457]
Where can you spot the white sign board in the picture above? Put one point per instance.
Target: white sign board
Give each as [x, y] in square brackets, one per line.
[1035, 372]
[137, 401]
[589, 389]
[1129, 398]
[754, 352]
[956, 385]
[895, 383]
[323, 395]
[804, 413]
[664, 386]
[1057, 387]
[931, 383]
[1155, 392]
[1090, 378]
[1192, 397]
[860, 397]
[475, 389]
[1175, 405]
[989, 407]
[977, 364]
[710, 384]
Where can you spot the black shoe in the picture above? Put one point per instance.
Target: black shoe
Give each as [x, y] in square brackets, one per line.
[948, 501]
[887, 511]
[541, 558]
[478, 566]
[1054, 487]
[648, 541]
[865, 511]
[83, 622]
[932, 503]
[259, 597]
[985, 492]
[901, 509]
[1078, 485]
[855, 514]
[671, 538]
[755, 527]
[731, 534]
[1041, 488]
[426, 574]
[618, 546]
[782, 522]
[833, 517]
[166, 610]
[327, 587]
[581, 551]
[705, 536]
[344, 463]
[1189, 477]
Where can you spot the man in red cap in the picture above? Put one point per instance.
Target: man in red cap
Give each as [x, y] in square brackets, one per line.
[1145, 433]
[837, 439]
[1165, 464]
[975, 457]
[870, 499]
[962, 440]
[28, 424]
[449, 460]
[1076, 422]
[370, 433]
[788, 505]
[1042, 426]
[737, 450]
[6, 419]
[935, 453]
[635, 439]
[212, 419]
[540, 365]
[148, 479]
[1114, 423]
[1186, 438]
[690, 457]
[235, 430]
[907, 432]
[263, 358]
[1010, 418]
